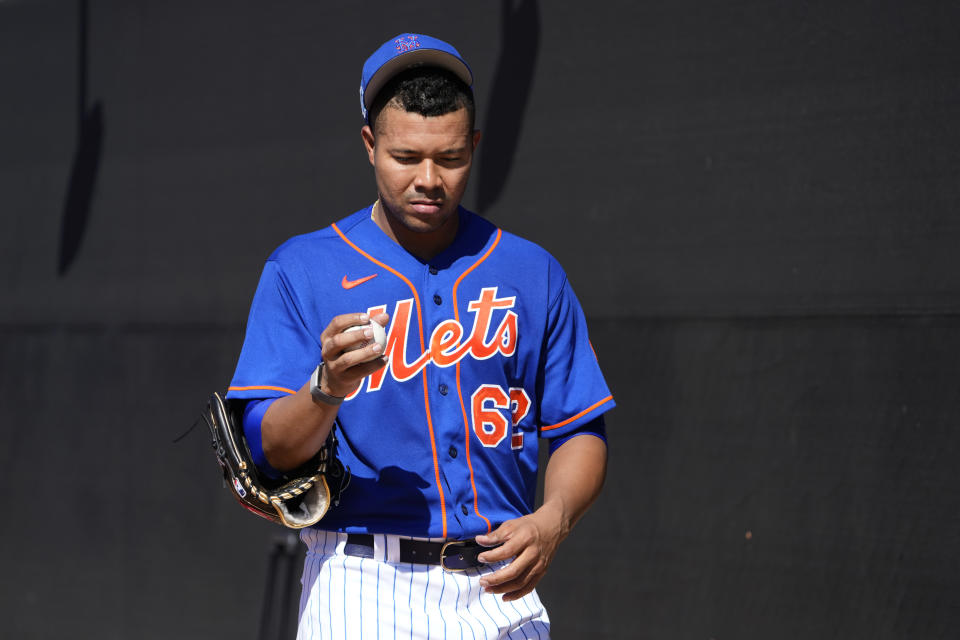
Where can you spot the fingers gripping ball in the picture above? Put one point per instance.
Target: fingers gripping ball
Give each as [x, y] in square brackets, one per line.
[379, 336]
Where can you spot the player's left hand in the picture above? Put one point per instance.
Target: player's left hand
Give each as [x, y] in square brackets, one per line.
[532, 541]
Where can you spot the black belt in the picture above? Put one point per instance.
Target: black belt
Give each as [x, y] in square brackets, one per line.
[452, 555]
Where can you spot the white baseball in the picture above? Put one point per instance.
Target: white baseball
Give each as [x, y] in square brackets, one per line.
[379, 336]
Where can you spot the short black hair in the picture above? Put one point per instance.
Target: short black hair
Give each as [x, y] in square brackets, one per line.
[429, 91]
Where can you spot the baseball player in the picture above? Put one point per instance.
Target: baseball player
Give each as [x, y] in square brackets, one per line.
[486, 351]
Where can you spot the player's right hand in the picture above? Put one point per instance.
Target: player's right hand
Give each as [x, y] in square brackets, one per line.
[345, 366]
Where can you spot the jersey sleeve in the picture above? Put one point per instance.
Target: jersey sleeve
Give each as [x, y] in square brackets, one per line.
[279, 351]
[596, 427]
[574, 391]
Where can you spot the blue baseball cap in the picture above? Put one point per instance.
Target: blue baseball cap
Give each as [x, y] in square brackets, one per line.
[403, 52]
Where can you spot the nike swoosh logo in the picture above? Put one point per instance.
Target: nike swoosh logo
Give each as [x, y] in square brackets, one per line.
[350, 284]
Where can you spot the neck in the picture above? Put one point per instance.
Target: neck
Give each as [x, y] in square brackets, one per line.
[422, 244]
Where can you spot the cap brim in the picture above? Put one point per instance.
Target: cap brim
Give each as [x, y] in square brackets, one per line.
[416, 58]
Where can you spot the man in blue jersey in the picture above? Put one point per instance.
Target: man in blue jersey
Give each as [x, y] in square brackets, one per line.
[486, 352]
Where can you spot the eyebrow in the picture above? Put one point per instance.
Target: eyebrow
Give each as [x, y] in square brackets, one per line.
[414, 152]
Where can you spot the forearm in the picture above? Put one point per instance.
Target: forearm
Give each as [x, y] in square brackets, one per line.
[573, 479]
[294, 428]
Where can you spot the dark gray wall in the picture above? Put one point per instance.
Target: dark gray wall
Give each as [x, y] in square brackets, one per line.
[756, 203]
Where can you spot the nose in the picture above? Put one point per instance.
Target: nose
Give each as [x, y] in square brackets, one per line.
[428, 178]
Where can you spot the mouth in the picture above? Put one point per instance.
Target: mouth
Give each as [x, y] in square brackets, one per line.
[426, 206]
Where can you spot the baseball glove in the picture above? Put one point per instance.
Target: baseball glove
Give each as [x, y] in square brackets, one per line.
[297, 500]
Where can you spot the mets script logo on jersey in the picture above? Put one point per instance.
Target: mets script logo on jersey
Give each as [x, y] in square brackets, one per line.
[495, 412]
[449, 342]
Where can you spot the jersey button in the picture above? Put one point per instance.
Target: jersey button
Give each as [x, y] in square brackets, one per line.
[452, 451]
[443, 389]
[437, 299]
[463, 509]
[433, 271]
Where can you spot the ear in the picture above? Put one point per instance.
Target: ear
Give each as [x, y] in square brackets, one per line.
[476, 138]
[369, 142]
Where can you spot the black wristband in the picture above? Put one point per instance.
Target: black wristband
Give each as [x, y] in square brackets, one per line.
[317, 394]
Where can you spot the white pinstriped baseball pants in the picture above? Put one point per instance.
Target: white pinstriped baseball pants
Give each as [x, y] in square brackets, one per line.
[350, 597]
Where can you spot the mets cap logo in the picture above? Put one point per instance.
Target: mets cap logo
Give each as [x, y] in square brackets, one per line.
[407, 43]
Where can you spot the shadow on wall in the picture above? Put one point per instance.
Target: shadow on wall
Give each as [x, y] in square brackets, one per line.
[86, 158]
[512, 80]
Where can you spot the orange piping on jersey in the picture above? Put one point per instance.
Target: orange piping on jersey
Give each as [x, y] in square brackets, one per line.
[466, 422]
[426, 394]
[579, 415]
[284, 389]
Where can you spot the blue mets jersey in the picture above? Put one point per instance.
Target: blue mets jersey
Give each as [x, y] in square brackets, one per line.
[487, 350]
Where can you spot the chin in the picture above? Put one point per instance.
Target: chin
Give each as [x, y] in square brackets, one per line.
[421, 223]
